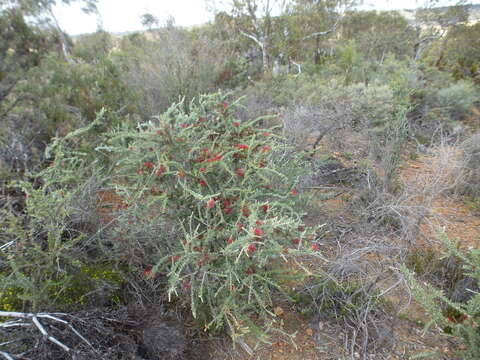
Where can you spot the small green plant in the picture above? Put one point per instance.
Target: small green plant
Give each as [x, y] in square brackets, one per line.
[458, 319]
[43, 262]
[422, 261]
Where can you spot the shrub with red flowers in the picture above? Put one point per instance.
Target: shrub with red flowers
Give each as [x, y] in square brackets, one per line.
[232, 219]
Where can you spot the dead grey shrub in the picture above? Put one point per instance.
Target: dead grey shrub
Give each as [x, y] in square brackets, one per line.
[404, 210]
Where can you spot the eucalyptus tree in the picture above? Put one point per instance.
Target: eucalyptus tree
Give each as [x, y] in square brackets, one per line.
[432, 22]
[42, 12]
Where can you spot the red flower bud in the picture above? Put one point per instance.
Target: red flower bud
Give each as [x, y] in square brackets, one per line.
[161, 169]
[228, 210]
[202, 183]
[186, 284]
[266, 133]
[261, 164]
[252, 248]
[259, 222]
[183, 126]
[236, 124]
[239, 172]
[202, 170]
[174, 258]
[148, 273]
[211, 204]
[265, 207]
[315, 247]
[293, 192]
[230, 240]
[242, 147]
[250, 270]
[202, 119]
[246, 211]
[266, 148]
[301, 228]
[258, 232]
[296, 241]
[215, 158]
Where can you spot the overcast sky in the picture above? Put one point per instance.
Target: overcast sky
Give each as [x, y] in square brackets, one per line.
[124, 15]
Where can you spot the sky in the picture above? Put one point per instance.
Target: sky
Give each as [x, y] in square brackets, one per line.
[124, 15]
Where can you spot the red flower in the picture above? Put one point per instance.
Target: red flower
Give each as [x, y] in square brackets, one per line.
[252, 248]
[293, 192]
[265, 207]
[215, 158]
[315, 247]
[246, 211]
[266, 133]
[211, 204]
[236, 124]
[203, 170]
[240, 172]
[242, 147]
[183, 126]
[227, 203]
[148, 273]
[160, 170]
[230, 240]
[174, 258]
[296, 241]
[258, 232]
[202, 183]
[266, 148]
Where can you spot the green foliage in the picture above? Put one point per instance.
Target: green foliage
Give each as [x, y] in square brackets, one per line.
[93, 48]
[44, 264]
[458, 319]
[72, 94]
[458, 98]
[224, 193]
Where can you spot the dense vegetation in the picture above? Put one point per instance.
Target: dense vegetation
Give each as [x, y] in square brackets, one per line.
[174, 185]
